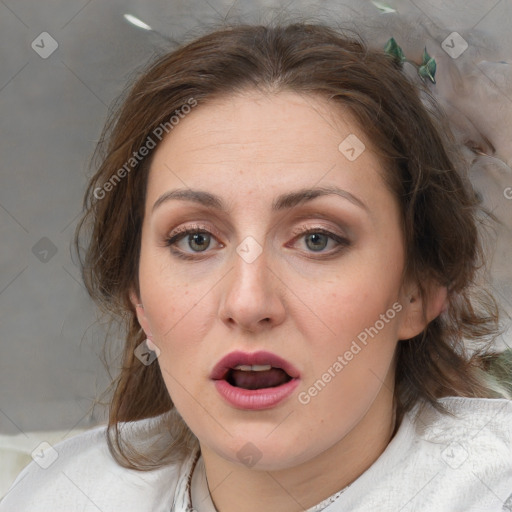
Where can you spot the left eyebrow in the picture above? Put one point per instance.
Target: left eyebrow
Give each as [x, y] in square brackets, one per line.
[293, 199]
[282, 202]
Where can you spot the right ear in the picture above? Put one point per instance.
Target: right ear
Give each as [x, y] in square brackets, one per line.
[141, 317]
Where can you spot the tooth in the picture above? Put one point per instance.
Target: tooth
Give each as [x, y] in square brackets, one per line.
[261, 367]
[253, 368]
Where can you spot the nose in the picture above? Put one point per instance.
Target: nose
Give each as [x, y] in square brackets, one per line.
[253, 295]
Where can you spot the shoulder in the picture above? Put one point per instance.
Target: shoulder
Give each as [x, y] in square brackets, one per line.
[470, 444]
[466, 419]
[81, 474]
[451, 460]
[472, 432]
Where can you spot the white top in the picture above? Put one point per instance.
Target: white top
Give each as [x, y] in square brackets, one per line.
[434, 463]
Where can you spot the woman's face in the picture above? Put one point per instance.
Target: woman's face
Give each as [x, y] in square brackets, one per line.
[275, 267]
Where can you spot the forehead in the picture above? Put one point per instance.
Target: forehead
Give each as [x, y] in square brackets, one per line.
[260, 121]
[277, 140]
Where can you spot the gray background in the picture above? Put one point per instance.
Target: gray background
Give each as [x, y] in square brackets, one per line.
[53, 109]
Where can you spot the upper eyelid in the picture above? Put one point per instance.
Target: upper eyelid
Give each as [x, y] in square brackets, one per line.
[195, 227]
[304, 228]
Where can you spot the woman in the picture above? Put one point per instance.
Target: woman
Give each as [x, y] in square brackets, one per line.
[292, 242]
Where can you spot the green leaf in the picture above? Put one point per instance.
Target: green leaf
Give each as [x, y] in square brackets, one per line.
[426, 57]
[428, 70]
[392, 48]
[384, 8]
[500, 369]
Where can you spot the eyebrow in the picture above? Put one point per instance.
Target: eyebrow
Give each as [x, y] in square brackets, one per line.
[282, 202]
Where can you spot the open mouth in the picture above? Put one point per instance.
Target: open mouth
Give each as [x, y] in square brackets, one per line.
[256, 377]
[254, 381]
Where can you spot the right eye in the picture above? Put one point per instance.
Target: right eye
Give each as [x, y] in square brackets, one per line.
[196, 238]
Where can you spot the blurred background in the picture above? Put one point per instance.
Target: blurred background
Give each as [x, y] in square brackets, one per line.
[63, 63]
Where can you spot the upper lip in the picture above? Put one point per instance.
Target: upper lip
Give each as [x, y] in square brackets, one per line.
[261, 357]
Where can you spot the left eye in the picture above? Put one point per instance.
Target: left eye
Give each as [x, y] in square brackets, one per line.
[317, 239]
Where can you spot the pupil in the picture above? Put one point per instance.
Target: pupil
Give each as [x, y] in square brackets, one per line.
[199, 238]
[323, 238]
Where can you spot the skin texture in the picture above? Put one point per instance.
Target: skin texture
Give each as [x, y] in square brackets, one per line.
[302, 304]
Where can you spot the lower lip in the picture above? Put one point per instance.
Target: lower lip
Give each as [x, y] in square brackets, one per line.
[255, 399]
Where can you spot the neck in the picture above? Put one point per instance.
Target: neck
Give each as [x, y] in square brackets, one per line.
[234, 487]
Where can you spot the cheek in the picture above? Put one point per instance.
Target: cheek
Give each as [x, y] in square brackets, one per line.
[353, 299]
[175, 316]
[171, 299]
[353, 330]
[347, 369]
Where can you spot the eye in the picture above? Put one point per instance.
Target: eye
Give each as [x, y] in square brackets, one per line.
[196, 238]
[317, 239]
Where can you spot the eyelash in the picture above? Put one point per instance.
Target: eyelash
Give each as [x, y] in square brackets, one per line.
[196, 230]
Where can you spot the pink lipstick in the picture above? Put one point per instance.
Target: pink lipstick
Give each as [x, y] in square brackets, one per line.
[254, 381]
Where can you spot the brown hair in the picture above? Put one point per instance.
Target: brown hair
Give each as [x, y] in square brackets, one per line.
[440, 210]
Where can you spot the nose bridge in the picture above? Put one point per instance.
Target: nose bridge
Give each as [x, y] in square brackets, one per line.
[250, 276]
[252, 293]
[251, 267]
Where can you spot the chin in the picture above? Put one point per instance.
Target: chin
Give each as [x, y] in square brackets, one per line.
[262, 452]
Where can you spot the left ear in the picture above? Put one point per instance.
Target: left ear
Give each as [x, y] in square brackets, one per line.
[419, 311]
